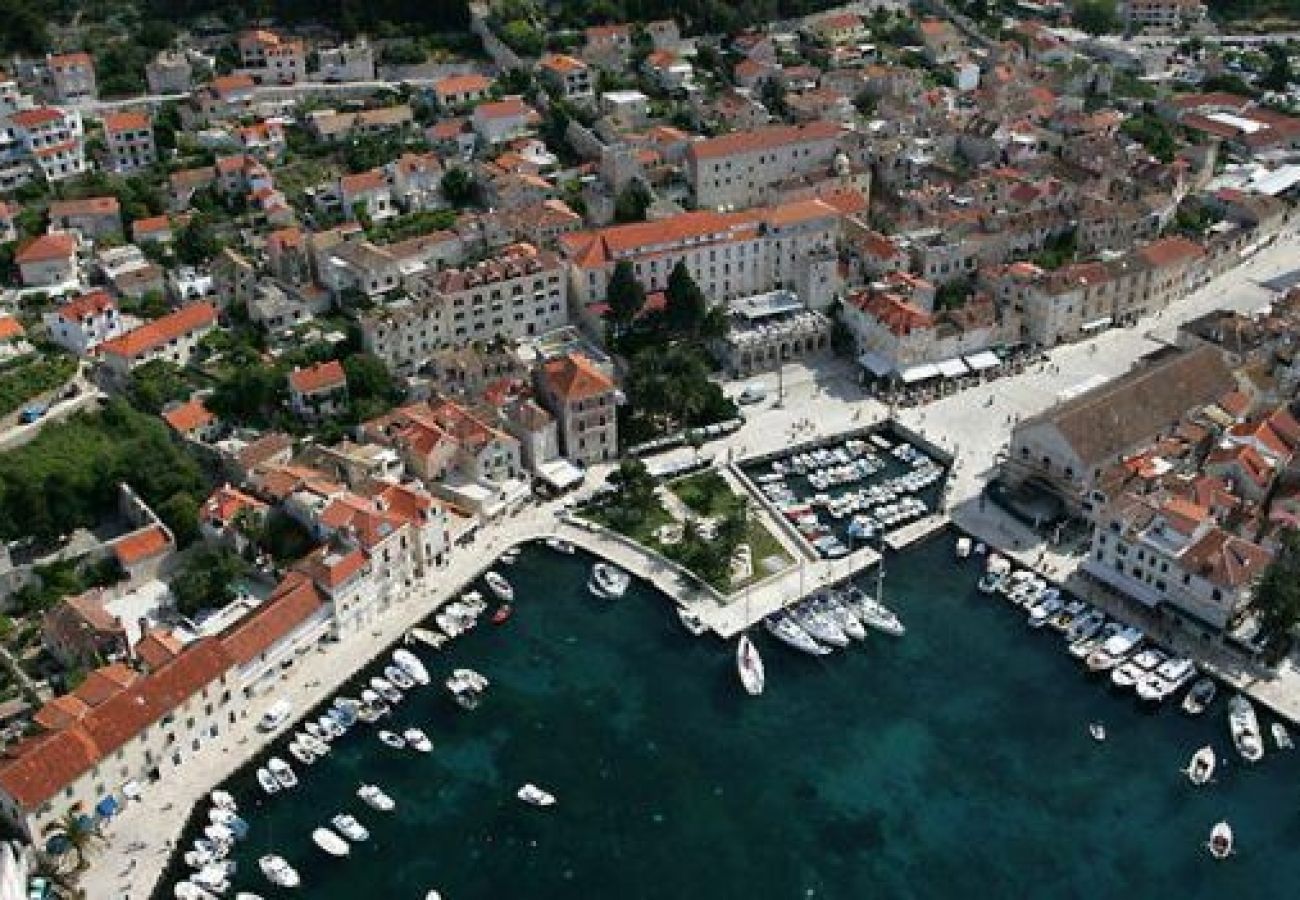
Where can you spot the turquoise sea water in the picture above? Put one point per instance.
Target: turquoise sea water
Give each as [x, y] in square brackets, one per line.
[953, 762]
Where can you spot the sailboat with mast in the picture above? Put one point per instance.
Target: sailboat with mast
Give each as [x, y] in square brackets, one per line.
[748, 663]
[872, 610]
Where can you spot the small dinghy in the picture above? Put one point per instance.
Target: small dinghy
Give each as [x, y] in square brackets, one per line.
[223, 800]
[375, 798]
[560, 545]
[1097, 730]
[278, 871]
[1282, 737]
[417, 740]
[393, 740]
[330, 842]
[535, 796]
[350, 828]
[267, 781]
[1201, 768]
[502, 614]
[1220, 842]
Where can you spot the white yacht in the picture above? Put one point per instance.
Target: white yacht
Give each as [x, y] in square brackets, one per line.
[300, 753]
[535, 796]
[608, 581]
[963, 547]
[417, 740]
[467, 687]
[350, 828]
[223, 800]
[411, 664]
[1168, 677]
[1129, 673]
[397, 677]
[1048, 604]
[1086, 626]
[315, 746]
[786, 630]
[391, 739]
[1245, 729]
[560, 545]
[750, 666]
[390, 694]
[1282, 737]
[330, 842]
[278, 871]
[820, 626]
[1201, 767]
[283, 772]
[498, 585]
[375, 798]
[1221, 841]
[1114, 649]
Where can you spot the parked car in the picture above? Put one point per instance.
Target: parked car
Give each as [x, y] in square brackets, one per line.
[32, 413]
[753, 393]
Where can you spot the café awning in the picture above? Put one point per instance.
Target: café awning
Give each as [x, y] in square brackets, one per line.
[952, 368]
[913, 374]
[1096, 324]
[985, 359]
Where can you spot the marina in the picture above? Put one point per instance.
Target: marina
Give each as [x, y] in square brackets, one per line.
[617, 711]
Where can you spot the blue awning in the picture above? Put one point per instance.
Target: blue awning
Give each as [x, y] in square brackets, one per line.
[107, 807]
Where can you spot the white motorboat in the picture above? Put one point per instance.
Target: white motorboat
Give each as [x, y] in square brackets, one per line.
[786, 630]
[214, 877]
[396, 741]
[330, 842]
[1201, 767]
[300, 753]
[608, 581]
[1130, 672]
[350, 828]
[1114, 649]
[267, 781]
[1098, 731]
[283, 772]
[560, 545]
[498, 585]
[188, 890]
[535, 796]
[223, 800]
[372, 702]
[1168, 677]
[320, 730]
[1049, 603]
[1200, 696]
[996, 572]
[227, 817]
[278, 871]
[276, 716]
[391, 695]
[1245, 729]
[428, 637]
[417, 740]
[963, 547]
[219, 835]
[750, 666]
[467, 687]
[397, 677]
[411, 664]
[246, 895]
[510, 556]
[315, 746]
[1086, 626]
[1282, 737]
[1220, 843]
[375, 798]
[690, 621]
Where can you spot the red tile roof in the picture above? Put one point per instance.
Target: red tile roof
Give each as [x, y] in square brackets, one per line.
[767, 137]
[324, 376]
[90, 206]
[158, 332]
[189, 417]
[574, 377]
[461, 84]
[126, 121]
[86, 305]
[56, 245]
[141, 545]
[10, 328]
[293, 601]
[37, 116]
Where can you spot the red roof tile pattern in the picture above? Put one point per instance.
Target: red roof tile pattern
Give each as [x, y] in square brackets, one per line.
[158, 332]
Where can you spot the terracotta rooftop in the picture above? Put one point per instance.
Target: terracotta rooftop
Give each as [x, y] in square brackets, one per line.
[574, 377]
[766, 137]
[293, 601]
[115, 123]
[189, 416]
[320, 377]
[158, 332]
[141, 545]
[47, 247]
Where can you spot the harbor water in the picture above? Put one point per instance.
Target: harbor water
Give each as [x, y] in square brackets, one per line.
[952, 762]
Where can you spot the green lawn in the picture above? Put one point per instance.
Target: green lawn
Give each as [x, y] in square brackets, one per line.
[640, 528]
[706, 493]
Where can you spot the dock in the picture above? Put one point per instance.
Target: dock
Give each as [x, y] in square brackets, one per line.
[911, 533]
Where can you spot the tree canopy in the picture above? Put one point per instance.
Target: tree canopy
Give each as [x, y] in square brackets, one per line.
[1277, 596]
[624, 295]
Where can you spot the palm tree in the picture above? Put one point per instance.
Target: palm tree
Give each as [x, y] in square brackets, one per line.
[77, 832]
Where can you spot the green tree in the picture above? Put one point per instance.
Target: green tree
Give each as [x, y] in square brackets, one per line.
[372, 391]
[197, 243]
[74, 834]
[1096, 16]
[686, 305]
[624, 295]
[156, 384]
[1278, 74]
[206, 581]
[631, 203]
[1277, 596]
[459, 187]
[523, 38]
[180, 512]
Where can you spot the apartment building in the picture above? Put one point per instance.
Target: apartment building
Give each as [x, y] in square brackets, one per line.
[583, 400]
[1163, 15]
[461, 90]
[49, 261]
[728, 254]
[94, 218]
[81, 325]
[734, 171]
[521, 292]
[319, 391]
[445, 443]
[71, 77]
[567, 74]
[271, 59]
[173, 338]
[51, 140]
[128, 137]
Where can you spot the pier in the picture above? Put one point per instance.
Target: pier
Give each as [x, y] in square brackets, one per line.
[911, 533]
